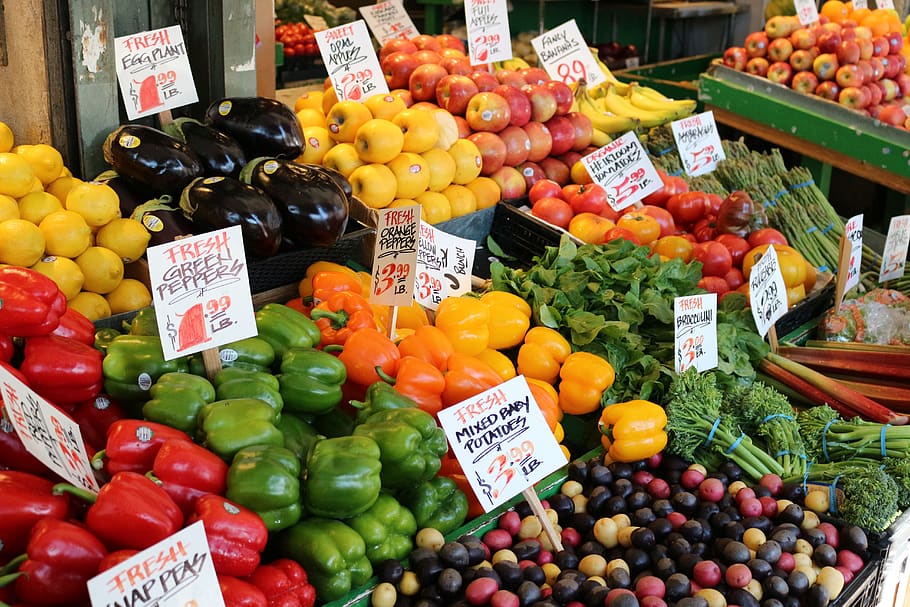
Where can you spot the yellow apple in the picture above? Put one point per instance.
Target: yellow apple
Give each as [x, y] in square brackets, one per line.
[412, 173]
[374, 184]
[316, 144]
[434, 207]
[309, 99]
[486, 191]
[378, 140]
[448, 128]
[468, 161]
[385, 105]
[420, 129]
[310, 117]
[461, 199]
[329, 98]
[345, 118]
[442, 168]
[343, 158]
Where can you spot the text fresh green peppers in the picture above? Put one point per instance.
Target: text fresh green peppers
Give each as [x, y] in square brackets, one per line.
[227, 426]
[177, 399]
[342, 476]
[252, 353]
[381, 396]
[387, 529]
[284, 328]
[234, 382]
[331, 552]
[299, 436]
[437, 503]
[133, 363]
[266, 479]
[411, 443]
[311, 381]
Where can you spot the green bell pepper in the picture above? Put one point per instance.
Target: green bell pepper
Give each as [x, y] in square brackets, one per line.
[248, 384]
[311, 380]
[253, 353]
[177, 399]
[227, 426]
[284, 328]
[342, 477]
[133, 363]
[145, 322]
[104, 336]
[335, 423]
[387, 528]
[333, 555]
[231, 373]
[299, 436]
[437, 503]
[381, 396]
[411, 444]
[266, 479]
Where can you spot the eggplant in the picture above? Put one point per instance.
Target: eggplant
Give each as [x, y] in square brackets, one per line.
[213, 203]
[163, 221]
[220, 153]
[314, 208]
[129, 193]
[151, 158]
[262, 126]
[336, 176]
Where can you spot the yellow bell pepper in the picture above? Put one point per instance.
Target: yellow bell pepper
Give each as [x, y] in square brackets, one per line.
[500, 363]
[633, 430]
[543, 351]
[510, 318]
[584, 377]
[466, 322]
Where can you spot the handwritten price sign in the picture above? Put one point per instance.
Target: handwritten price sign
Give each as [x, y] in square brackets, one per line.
[502, 441]
[624, 170]
[695, 323]
[806, 11]
[894, 256]
[698, 143]
[489, 38]
[853, 232]
[351, 62]
[388, 20]
[395, 256]
[565, 55]
[444, 266]
[767, 291]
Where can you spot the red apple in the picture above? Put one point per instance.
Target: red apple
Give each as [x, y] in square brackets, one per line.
[556, 170]
[428, 56]
[804, 82]
[866, 48]
[780, 71]
[825, 66]
[803, 38]
[756, 44]
[892, 66]
[831, 26]
[828, 42]
[584, 130]
[397, 45]
[485, 81]
[510, 77]
[445, 53]
[570, 158]
[519, 104]
[801, 59]
[397, 68]
[518, 145]
[865, 65]
[827, 90]
[424, 79]
[488, 112]
[890, 89]
[562, 134]
[457, 65]
[848, 75]
[880, 46]
[450, 41]
[876, 92]
[453, 93]
[736, 57]
[532, 172]
[851, 97]
[463, 128]
[867, 95]
[878, 68]
[847, 52]
[541, 141]
[893, 114]
[779, 49]
[757, 66]
[404, 94]
[543, 102]
[895, 42]
[492, 151]
[511, 182]
[426, 41]
[903, 81]
[563, 94]
[901, 60]
[534, 75]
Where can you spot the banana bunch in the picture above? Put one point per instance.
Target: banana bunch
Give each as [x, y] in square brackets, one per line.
[515, 64]
[606, 124]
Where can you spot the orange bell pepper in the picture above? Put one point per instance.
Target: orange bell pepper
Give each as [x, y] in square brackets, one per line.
[428, 343]
[467, 376]
[420, 381]
[327, 283]
[547, 399]
[365, 351]
[340, 314]
[305, 286]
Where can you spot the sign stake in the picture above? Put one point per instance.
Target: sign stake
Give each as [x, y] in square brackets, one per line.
[531, 497]
[211, 358]
[843, 268]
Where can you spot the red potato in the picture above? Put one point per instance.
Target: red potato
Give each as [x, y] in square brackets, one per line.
[504, 598]
[849, 560]
[706, 574]
[691, 478]
[711, 490]
[481, 590]
[658, 488]
[649, 585]
[772, 482]
[497, 539]
[738, 575]
[510, 521]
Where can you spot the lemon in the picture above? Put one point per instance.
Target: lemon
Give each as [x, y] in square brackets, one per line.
[65, 233]
[6, 137]
[21, 242]
[63, 271]
[92, 305]
[16, 175]
[9, 208]
[126, 237]
[102, 268]
[35, 206]
[129, 295]
[61, 186]
[97, 202]
[45, 160]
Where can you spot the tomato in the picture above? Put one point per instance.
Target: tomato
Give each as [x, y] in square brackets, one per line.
[714, 284]
[737, 246]
[609, 212]
[553, 210]
[704, 229]
[589, 198]
[645, 227]
[688, 207]
[674, 247]
[663, 217]
[618, 232]
[795, 295]
[300, 49]
[766, 236]
[289, 51]
[671, 185]
[714, 202]
[589, 227]
[791, 262]
[544, 188]
[569, 190]
[734, 278]
[714, 257]
[811, 277]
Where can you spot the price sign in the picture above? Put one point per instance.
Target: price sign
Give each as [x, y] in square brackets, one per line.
[175, 572]
[894, 256]
[395, 256]
[767, 291]
[444, 266]
[201, 292]
[806, 11]
[886, 4]
[489, 38]
[351, 62]
[695, 322]
[46, 432]
[388, 20]
[853, 232]
[502, 441]
[153, 69]
[565, 55]
[623, 169]
[698, 143]
[316, 22]
[857, 4]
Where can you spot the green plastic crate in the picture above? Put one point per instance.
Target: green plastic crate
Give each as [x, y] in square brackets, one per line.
[677, 78]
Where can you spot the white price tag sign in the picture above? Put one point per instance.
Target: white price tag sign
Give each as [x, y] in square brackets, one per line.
[767, 291]
[351, 62]
[201, 292]
[388, 20]
[894, 256]
[853, 232]
[695, 324]
[698, 143]
[565, 55]
[395, 256]
[806, 11]
[624, 170]
[502, 441]
[444, 266]
[886, 4]
[857, 4]
[153, 69]
[489, 39]
[47, 432]
[175, 572]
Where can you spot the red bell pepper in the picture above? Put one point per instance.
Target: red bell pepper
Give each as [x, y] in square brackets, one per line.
[130, 511]
[25, 499]
[340, 314]
[467, 376]
[132, 445]
[236, 534]
[187, 472]
[32, 302]
[115, 558]
[13, 453]
[422, 382]
[240, 593]
[284, 583]
[7, 348]
[95, 416]
[76, 325]
[62, 370]
[62, 557]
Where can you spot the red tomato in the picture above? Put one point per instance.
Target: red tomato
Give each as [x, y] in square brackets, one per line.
[714, 257]
[300, 49]
[553, 210]
[609, 212]
[688, 207]
[766, 236]
[590, 198]
[289, 51]
[674, 247]
[569, 190]
[618, 232]
[545, 188]
[671, 185]
[714, 284]
[704, 229]
[663, 217]
[734, 278]
[714, 202]
[736, 245]
[645, 227]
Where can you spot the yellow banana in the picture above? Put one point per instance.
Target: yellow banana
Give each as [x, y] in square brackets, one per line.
[682, 107]
[607, 122]
[621, 87]
[652, 93]
[621, 106]
[600, 139]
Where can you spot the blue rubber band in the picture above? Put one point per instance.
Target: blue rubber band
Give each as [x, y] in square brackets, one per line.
[832, 495]
[711, 433]
[823, 268]
[806, 476]
[735, 444]
[664, 151]
[797, 454]
[777, 416]
[770, 203]
[825, 439]
[882, 439]
[811, 229]
[780, 193]
[827, 229]
[677, 173]
[804, 184]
